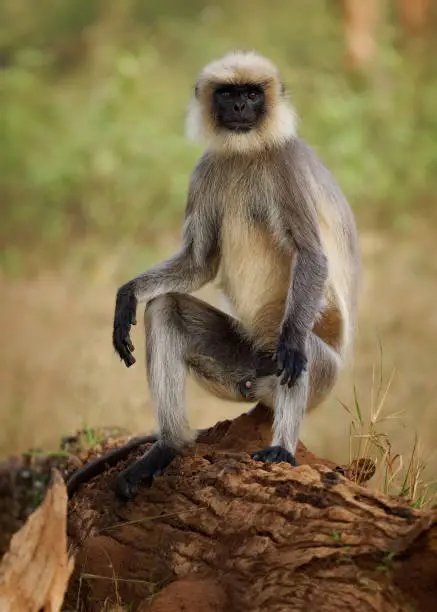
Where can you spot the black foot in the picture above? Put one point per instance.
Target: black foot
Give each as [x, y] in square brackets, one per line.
[144, 470]
[274, 454]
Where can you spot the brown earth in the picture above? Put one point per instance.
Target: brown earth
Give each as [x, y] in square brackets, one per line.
[220, 532]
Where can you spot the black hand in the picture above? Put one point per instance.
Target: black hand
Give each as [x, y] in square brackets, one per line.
[290, 357]
[125, 316]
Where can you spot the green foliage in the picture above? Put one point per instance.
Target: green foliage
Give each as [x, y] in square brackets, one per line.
[94, 96]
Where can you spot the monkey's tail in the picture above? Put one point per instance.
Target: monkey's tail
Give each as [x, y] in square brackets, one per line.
[99, 465]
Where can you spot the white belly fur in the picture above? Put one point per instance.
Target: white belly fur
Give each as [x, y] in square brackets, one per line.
[254, 275]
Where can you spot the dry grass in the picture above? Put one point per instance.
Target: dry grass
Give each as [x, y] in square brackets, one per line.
[58, 371]
[373, 457]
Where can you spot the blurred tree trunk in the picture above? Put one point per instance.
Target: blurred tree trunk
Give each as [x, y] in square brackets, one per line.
[414, 15]
[361, 21]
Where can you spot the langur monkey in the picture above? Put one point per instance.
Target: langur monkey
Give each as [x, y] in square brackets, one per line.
[267, 220]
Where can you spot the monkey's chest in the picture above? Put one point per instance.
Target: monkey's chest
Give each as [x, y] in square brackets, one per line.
[254, 275]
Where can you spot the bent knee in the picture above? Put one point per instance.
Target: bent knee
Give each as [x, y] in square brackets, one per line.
[161, 307]
[327, 372]
[323, 379]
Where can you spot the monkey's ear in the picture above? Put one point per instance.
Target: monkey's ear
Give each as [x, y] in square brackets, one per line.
[196, 90]
[282, 86]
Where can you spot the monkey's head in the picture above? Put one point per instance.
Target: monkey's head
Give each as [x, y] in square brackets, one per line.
[239, 105]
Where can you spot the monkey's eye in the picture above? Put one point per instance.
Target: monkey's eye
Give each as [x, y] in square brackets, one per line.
[252, 95]
[225, 94]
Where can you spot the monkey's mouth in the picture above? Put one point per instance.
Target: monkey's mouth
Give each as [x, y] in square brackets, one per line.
[239, 126]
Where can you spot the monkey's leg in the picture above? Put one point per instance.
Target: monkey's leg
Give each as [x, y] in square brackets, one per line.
[310, 389]
[182, 332]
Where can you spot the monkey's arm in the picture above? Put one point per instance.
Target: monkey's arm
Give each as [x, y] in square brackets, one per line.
[193, 266]
[308, 277]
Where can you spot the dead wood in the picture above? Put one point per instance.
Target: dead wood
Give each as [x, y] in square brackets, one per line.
[34, 573]
[24, 478]
[220, 532]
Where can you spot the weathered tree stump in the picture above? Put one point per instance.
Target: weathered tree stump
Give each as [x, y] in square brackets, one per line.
[34, 572]
[220, 532]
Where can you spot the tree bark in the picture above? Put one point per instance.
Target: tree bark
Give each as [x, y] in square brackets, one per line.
[414, 15]
[221, 532]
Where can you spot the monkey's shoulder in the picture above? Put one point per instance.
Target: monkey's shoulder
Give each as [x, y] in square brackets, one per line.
[300, 159]
[303, 160]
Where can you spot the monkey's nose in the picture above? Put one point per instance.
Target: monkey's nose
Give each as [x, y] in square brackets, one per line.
[239, 107]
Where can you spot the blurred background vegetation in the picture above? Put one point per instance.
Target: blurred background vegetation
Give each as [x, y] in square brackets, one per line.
[95, 167]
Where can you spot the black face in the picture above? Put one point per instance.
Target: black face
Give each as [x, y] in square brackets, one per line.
[238, 107]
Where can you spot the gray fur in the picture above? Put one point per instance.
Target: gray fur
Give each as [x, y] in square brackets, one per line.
[165, 351]
[310, 389]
